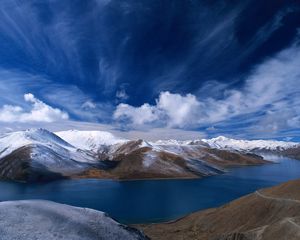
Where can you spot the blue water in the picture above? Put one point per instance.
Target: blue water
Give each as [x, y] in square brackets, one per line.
[155, 200]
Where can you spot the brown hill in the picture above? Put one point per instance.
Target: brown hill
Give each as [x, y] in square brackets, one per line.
[268, 214]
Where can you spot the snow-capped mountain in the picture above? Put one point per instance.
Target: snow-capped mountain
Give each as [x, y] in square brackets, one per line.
[40, 153]
[222, 142]
[40, 137]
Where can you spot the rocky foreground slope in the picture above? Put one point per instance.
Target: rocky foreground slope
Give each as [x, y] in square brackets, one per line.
[38, 154]
[41, 220]
[267, 214]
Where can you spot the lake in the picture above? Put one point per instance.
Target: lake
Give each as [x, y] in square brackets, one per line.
[145, 201]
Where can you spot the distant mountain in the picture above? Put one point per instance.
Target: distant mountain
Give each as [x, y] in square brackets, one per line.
[36, 219]
[228, 143]
[289, 149]
[267, 214]
[37, 154]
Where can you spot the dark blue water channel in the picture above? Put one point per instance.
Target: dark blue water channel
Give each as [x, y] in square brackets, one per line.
[155, 200]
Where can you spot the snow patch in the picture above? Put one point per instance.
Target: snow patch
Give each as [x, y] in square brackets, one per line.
[149, 159]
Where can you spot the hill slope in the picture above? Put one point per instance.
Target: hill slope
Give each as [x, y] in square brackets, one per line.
[268, 214]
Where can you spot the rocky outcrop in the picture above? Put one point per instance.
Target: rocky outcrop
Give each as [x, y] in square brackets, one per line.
[42, 220]
[268, 214]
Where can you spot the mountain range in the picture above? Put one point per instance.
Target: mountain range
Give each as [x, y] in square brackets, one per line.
[38, 154]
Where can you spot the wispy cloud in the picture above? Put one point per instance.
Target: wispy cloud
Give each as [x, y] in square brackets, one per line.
[52, 46]
[121, 95]
[219, 49]
[80, 105]
[88, 105]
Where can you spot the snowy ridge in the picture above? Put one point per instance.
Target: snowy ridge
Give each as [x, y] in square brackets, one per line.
[89, 140]
[222, 142]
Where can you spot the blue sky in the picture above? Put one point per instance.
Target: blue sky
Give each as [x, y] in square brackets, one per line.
[194, 68]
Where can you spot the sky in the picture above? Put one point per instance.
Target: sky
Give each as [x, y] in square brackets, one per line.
[152, 68]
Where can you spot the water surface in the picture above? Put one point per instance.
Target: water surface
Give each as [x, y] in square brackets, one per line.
[155, 200]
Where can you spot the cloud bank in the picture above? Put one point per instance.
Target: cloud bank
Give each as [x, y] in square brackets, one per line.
[269, 97]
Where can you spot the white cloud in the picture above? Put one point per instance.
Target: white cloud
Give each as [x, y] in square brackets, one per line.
[174, 110]
[178, 109]
[40, 112]
[137, 115]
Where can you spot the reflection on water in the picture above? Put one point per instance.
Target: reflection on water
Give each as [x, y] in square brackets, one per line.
[156, 200]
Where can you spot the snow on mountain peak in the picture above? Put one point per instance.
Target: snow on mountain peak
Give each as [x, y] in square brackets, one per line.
[43, 136]
[171, 142]
[90, 140]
